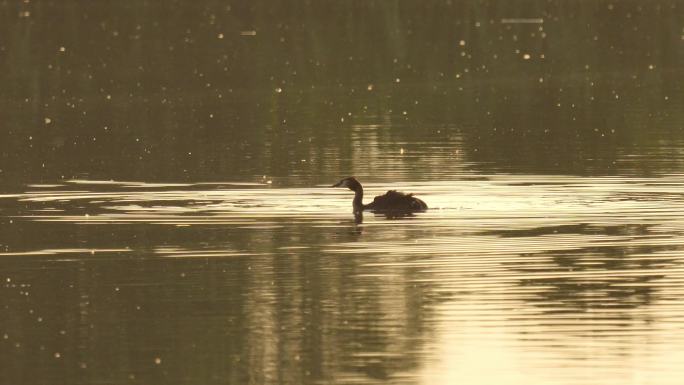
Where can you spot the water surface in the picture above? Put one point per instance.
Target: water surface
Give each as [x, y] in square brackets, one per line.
[555, 279]
[166, 215]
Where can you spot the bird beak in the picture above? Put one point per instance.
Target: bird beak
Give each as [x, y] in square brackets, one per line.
[338, 184]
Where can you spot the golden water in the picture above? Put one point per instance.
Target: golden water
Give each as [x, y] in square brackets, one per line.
[505, 279]
[166, 215]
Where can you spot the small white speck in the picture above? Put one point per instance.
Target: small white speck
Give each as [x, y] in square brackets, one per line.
[48, 120]
[526, 56]
[220, 36]
[62, 49]
[462, 43]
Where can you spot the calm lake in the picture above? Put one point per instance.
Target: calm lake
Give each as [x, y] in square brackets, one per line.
[167, 215]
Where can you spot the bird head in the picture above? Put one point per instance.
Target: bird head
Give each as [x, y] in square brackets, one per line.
[350, 183]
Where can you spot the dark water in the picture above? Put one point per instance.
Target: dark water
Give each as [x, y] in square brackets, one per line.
[166, 215]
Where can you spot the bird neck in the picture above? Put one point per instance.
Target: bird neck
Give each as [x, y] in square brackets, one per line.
[358, 199]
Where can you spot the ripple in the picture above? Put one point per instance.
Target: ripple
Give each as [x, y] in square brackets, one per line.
[531, 272]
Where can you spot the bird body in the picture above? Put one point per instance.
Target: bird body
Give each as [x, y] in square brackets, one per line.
[391, 201]
[396, 200]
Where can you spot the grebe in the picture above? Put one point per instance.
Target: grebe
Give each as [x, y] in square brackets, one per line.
[392, 200]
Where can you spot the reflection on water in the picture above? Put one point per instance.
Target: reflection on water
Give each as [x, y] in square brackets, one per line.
[165, 215]
[506, 279]
[204, 91]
